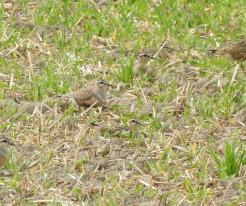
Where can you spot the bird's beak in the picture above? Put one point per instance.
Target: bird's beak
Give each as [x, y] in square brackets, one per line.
[94, 124]
[108, 84]
[151, 57]
[139, 123]
[12, 143]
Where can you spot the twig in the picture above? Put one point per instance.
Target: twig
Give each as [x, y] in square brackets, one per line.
[143, 94]
[172, 63]
[147, 184]
[234, 74]
[88, 109]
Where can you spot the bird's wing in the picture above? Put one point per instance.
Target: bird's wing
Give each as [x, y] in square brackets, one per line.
[98, 96]
[85, 94]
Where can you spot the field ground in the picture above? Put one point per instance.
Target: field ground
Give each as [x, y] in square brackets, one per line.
[190, 149]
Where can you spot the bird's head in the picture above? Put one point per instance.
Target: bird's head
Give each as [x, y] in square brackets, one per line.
[103, 84]
[132, 123]
[144, 58]
[6, 141]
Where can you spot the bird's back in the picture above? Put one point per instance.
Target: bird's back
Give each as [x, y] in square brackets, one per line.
[236, 51]
[83, 96]
[90, 96]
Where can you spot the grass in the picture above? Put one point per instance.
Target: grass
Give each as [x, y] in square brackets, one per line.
[188, 105]
[125, 74]
[231, 162]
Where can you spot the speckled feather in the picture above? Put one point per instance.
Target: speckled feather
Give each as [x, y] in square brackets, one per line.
[235, 51]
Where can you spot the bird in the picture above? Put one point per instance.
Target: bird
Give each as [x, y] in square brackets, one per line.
[133, 123]
[4, 148]
[141, 63]
[95, 95]
[131, 127]
[235, 51]
[165, 51]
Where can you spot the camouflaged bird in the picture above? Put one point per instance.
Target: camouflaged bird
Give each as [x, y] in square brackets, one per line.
[117, 129]
[142, 65]
[235, 51]
[4, 149]
[141, 62]
[95, 95]
[131, 125]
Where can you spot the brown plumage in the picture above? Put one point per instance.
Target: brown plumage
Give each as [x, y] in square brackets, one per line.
[4, 149]
[95, 95]
[235, 51]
